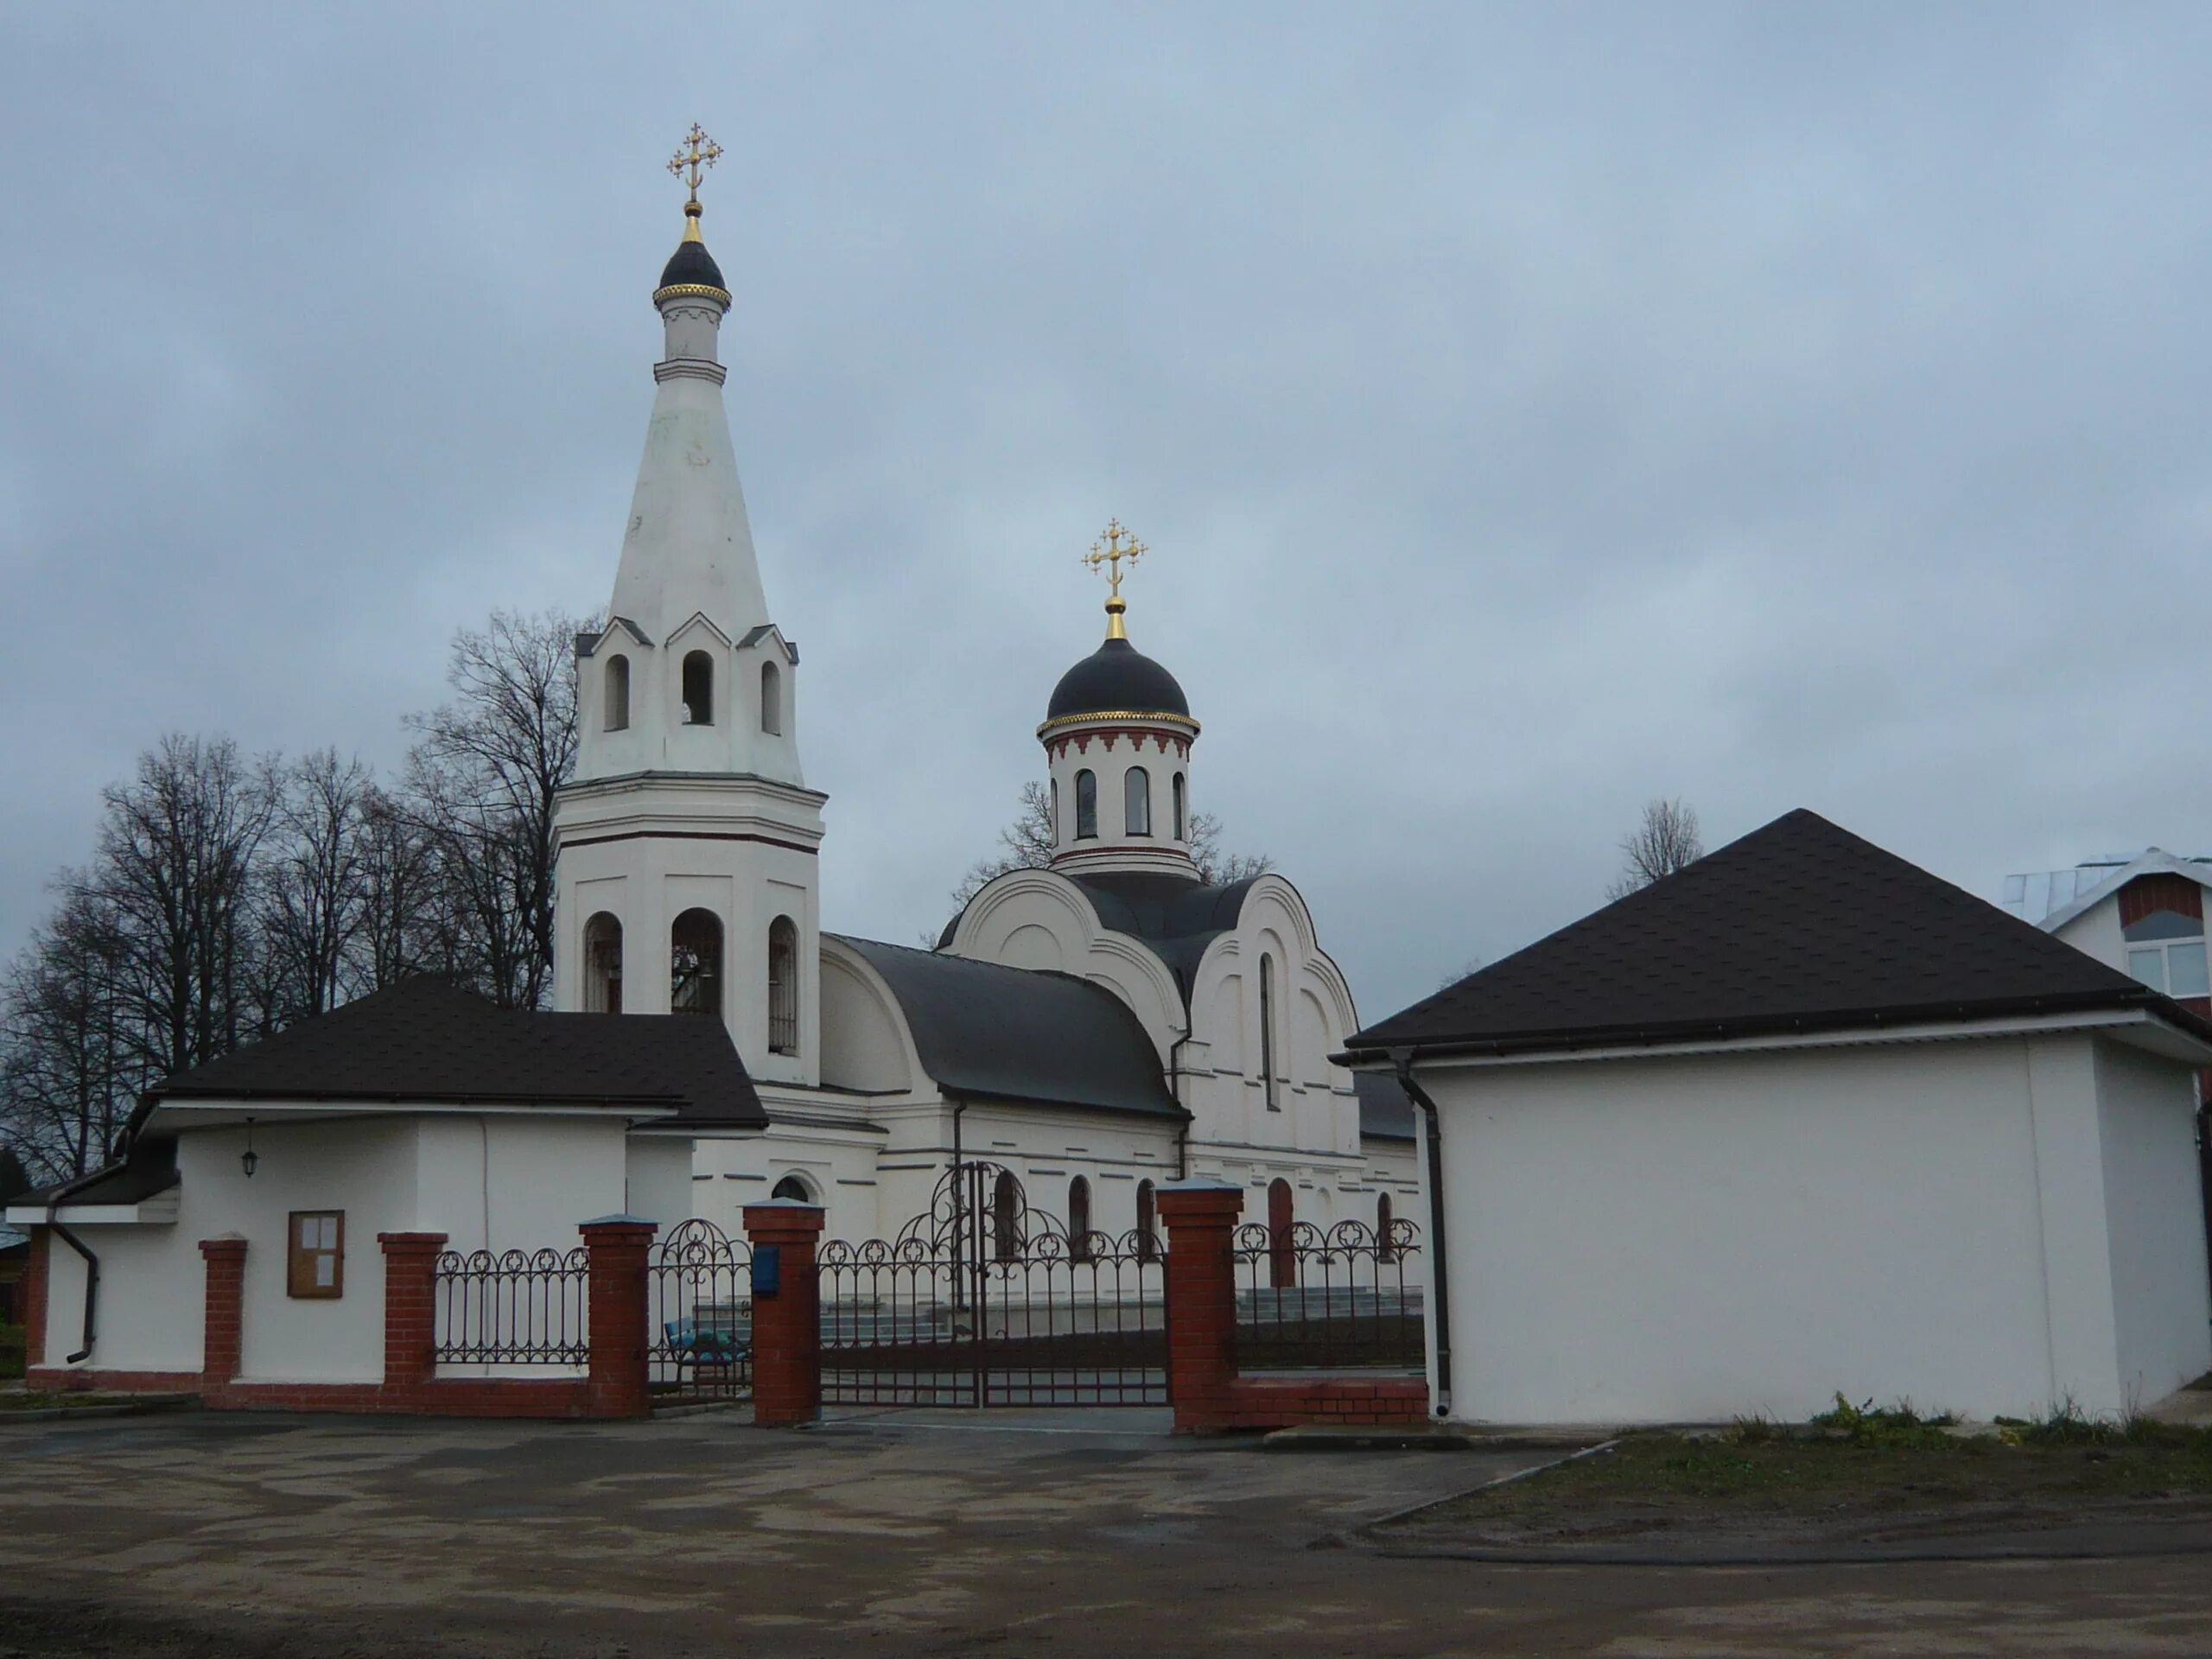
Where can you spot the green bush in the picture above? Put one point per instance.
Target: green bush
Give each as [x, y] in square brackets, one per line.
[1899, 1425]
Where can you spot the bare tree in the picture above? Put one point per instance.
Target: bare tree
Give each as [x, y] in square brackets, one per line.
[480, 785]
[314, 890]
[397, 935]
[1026, 844]
[1665, 840]
[66, 1080]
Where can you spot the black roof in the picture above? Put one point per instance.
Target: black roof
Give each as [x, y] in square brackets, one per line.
[428, 1040]
[1798, 926]
[1176, 917]
[149, 1168]
[1012, 1034]
[1117, 678]
[1385, 1112]
[691, 265]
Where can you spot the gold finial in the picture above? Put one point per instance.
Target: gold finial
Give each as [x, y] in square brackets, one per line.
[697, 152]
[1110, 551]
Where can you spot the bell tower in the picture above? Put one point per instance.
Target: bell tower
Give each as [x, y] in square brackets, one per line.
[686, 843]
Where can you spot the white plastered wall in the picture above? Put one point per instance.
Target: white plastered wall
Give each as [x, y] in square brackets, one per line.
[1698, 1239]
[2146, 1112]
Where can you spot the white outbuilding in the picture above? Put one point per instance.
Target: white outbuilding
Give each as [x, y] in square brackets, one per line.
[1804, 1119]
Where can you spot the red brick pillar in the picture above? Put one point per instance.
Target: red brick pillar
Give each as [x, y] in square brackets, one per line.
[620, 1385]
[34, 1297]
[1199, 1215]
[410, 1311]
[223, 1336]
[786, 1326]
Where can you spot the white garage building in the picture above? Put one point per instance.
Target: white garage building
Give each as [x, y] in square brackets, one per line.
[1801, 1119]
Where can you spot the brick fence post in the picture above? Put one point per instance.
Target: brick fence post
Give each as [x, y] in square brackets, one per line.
[786, 1326]
[34, 1298]
[223, 1333]
[410, 1311]
[620, 1385]
[1200, 1216]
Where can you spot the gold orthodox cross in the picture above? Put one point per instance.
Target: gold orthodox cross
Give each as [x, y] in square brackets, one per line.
[697, 151]
[1110, 551]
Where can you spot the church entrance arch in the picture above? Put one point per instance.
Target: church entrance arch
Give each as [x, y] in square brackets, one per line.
[984, 1302]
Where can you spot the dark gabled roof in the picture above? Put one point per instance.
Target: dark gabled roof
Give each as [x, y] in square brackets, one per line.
[1798, 926]
[1385, 1113]
[1117, 678]
[427, 1039]
[150, 1168]
[1010, 1034]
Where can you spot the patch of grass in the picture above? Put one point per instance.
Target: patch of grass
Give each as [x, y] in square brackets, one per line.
[1891, 1426]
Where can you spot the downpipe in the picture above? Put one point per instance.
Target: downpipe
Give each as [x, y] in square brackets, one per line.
[1438, 1262]
[92, 1262]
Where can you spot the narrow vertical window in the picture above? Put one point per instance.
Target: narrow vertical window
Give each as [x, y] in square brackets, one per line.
[771, 699]
[1079, 1219]
[1086, 805]
[1282, 1252]
[1182, 790]
[793, 1189]
[1053, 827]
[315, 1262]
[783, 985]
[603, 964]
[617, 692]
[1005, 1221]
[1136, 797]
[1268, 1033]
[694, 983]
[698, 689]
[1147, 1222]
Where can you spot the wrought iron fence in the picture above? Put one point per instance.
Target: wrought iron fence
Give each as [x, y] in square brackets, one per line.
[984, 1302]
[699, 1292]
[515, 1308]
[1341, 1296]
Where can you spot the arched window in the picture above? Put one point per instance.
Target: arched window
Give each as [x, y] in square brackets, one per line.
[1136, 797]
[1384, 1251]
[1055, 825]
[1268, 1033]
[603, 964]
[783, 985]
[1079, 1219]
[1147, 1222]
[1006, 1217]
[698, 688]
[695, 980]
[794, 1188]
[1282, 1256]
[771, 699]
[1086, 805]
[617, 692]
[1182, 790]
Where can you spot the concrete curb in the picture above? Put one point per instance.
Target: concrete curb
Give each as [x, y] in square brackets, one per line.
[120, 1409]
[1331, 1437]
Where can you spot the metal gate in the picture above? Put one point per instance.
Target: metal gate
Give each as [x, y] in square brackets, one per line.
[699, 1291]
[983, 1301]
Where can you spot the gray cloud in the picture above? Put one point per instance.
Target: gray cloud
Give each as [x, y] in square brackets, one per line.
[1533, 410]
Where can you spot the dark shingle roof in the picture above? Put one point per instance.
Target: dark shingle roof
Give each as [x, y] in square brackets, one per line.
[150, 1168]
[429, 1040]
[1010, 1034]
[1800, 926]
[1176, 915]
[1117, 678]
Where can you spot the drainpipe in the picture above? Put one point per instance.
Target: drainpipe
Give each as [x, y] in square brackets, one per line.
[1439, 1269]
[958, 1106]
[1175, 1089]
[92, 1261]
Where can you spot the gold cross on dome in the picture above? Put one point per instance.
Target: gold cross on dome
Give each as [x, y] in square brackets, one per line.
[1110, 551]
[697, 151]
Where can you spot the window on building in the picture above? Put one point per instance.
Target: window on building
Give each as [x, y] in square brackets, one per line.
[1268, 1033]
[603, 964]
[783, 985]
[1006, 1217]
[1182, 792]
[1086, 805]
[1147, 1221]
[698, 688]
[794, 1188]
[1055, 826]
[314, 1265]
[1384, 1250]
[771, 699]
[617, 692]
[1136, 796]
[1079, 1219]
[694, 983]
[1282, 1251]
[2174, 966]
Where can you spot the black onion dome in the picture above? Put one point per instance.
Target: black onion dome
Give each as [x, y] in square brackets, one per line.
[691, 266]
[1117, 678]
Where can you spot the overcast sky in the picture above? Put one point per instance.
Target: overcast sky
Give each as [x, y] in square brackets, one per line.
[1532, 409]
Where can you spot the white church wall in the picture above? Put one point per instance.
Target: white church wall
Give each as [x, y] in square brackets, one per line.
[1697, 1238]
[506, 1181]
[1048, 1147]
[2154, 1208]
[657, 1182]
[152, 1297]
[837, 1164]
[864, 1045]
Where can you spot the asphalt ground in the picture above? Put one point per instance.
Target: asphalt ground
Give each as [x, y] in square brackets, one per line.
[1075, 1533]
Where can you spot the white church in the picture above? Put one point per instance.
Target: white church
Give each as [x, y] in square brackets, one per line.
[1096, 1026]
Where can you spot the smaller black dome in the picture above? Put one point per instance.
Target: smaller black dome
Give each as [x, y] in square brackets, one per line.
[1117, 678]
[691, 266]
